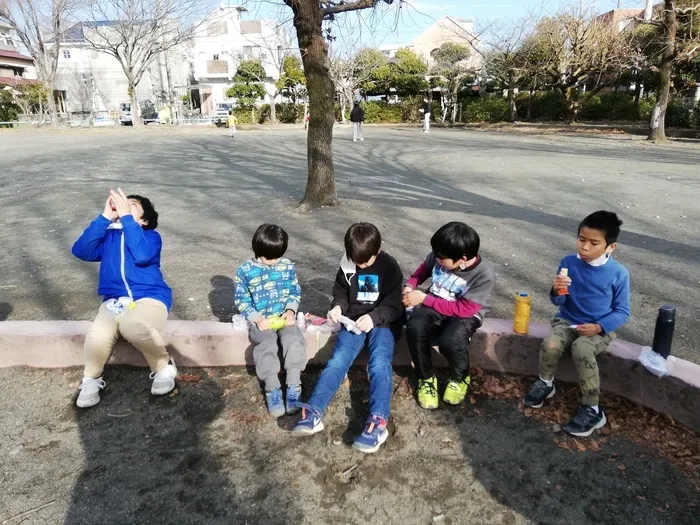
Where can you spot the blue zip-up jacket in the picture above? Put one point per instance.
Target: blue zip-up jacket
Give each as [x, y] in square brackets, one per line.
[130, 259]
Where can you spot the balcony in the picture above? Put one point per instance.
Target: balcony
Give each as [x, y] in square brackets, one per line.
[217, 67]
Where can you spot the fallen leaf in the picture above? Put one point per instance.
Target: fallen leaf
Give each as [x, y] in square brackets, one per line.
[527, 412]
[622, 467]
[189, 378]
[556, 428]
[641, 498]
[660, 509]
[174, 393]
[593, 445]
[580, 446]
[472, 400]
[691, 504]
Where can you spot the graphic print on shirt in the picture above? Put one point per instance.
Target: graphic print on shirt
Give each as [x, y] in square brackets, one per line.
[368, 288]
[447, 285]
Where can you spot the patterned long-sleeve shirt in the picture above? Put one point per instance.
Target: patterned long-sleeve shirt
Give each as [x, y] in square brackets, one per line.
[266, 291]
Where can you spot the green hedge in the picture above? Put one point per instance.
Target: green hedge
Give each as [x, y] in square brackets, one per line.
[609, 106]
[9, 111]
[485, 109]
[287, 113]
[546, 105]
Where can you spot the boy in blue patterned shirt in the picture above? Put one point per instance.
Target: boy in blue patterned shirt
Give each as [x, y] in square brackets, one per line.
[267, 288]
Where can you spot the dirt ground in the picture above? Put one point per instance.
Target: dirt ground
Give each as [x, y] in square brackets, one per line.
[210, 454]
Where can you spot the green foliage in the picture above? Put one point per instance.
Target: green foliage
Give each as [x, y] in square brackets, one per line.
[646, 106]
[407, 73]
[287, 113]
[546, 105]
[292, 82]
[609, 106]
[372, 72]
[485, 109]
[247, 86]
[8, 109]
[678, 114]
[377, 112]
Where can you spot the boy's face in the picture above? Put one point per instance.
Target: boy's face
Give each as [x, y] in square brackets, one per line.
[269, 262]
[451, 264]
[591, 244]
[368, 263]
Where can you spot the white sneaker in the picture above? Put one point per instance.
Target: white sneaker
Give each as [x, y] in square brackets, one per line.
[362, 140]
[164, 379]
[90, 392]
[354, 140]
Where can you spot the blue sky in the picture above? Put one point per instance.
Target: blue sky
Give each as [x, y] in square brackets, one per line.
[393, 25]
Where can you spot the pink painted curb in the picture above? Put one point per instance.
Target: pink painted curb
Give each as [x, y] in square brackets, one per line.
[58, 344]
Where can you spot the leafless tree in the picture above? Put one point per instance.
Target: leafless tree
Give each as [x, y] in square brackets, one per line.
[137, 31]
[39, 25]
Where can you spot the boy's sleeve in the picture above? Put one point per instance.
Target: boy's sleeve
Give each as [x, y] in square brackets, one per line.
[390, 307]
[90, 245]
[468, 304]
[424, 271]
[144, 249]
[340, 292]
[558, 300]
[294, 292]
[242, 297]
[620, 306]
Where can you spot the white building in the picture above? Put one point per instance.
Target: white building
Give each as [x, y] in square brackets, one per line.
[92, 82]
[15, 67]
[223, 41]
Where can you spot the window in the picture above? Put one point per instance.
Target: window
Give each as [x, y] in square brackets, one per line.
[66, 53]
[247, 51]
[216, 56]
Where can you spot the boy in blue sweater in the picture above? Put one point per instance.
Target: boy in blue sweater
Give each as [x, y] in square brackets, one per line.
[267, 288]
[136, 300]
[593, 294]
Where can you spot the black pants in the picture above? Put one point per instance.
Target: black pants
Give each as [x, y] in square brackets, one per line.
[452, 336]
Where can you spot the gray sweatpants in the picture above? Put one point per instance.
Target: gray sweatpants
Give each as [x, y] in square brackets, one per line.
[266, 355]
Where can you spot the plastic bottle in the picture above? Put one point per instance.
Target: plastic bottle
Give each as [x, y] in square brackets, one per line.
[663, 333]
[301, 321]
[521, 316]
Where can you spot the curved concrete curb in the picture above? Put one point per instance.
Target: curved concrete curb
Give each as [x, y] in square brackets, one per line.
[55, 344]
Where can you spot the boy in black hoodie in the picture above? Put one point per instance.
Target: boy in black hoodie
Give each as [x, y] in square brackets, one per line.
[357, 117]
[367, 291]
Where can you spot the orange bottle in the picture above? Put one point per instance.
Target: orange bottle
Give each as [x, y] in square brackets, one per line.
[563, 273]
[521, 316]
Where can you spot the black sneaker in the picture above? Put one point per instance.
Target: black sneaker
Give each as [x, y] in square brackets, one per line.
[585, 422]
[538, 393]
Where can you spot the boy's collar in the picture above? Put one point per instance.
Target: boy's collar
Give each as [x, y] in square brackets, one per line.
[600, 261]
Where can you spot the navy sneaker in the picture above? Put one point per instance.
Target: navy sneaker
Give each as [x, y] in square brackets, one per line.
[310, 421]
[538, 393]
[293, 398]
[275, 404]
[585, 422]
[372, 437]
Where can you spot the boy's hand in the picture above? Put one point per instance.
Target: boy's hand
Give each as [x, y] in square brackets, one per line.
[560, 283]
[589, 330]
[334, 314]
[109, 212]
[289, 317]
[365, 323]
[414, 298]
[121, 203]
[406, 290]
[263, 324]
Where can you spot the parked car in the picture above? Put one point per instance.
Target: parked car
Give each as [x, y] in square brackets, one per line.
[221, 113]
[148, 113]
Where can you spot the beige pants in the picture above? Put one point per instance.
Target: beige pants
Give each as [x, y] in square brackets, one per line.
[140, 326]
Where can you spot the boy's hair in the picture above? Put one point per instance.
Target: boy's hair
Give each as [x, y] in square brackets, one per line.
[362, 242]
[455, 240]
[270, 241]
[605, 221]
[150, 215]
[230, 112]
[357, 104]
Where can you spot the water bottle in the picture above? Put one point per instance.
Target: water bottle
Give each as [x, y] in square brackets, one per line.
[521, 316]
[663, 333]
[301, 321]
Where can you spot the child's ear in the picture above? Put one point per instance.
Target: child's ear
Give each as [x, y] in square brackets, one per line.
[611, 248]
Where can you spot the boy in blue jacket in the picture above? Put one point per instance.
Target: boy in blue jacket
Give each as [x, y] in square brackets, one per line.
[593, 296]
[135, 298]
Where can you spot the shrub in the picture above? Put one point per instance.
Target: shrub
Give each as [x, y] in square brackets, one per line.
[486, 109]
[546, 105]
[678, 114]
[382, 112]
[608, 106]
[9, 111]
[289, 113]
[646, 106]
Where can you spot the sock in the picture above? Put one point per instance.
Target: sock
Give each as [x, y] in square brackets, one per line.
[548, 382]
[595, 407]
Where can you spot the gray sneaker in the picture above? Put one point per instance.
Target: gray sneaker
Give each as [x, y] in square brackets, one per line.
[89, 394]
[164, 379]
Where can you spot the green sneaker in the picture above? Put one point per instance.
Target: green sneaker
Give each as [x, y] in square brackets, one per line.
[427, 393]
[456, 392]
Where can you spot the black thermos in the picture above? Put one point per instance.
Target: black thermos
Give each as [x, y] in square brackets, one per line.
[663, 333]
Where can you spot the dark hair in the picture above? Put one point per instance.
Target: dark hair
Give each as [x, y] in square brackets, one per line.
[230, 112]
[270, 241]
[455, 240]
[357, 103]
[605, 221]
[150, 215]
[362, 242]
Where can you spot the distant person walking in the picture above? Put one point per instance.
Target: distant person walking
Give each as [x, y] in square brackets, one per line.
[357, 117]
[231, 123]
[427, 111]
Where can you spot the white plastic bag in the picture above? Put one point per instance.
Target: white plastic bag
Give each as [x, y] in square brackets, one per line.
[350, 325]
[239, 323]
[653, 362]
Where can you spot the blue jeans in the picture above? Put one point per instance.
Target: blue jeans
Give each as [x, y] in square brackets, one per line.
[347, 347]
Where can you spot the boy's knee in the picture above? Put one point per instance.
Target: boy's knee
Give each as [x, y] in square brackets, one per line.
[552, 345]
[134, 330]
[583, 352]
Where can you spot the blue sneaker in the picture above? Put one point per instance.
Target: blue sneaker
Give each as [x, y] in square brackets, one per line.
[275, 404]
[310, 421]
[372, 437]
[293, 398]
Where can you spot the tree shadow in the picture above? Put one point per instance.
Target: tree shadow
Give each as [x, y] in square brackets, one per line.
[147, 459]
[5, 311]
[221, 298]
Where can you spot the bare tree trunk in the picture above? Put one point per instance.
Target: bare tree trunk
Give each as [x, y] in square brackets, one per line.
[273, 109]
[530, 97]
[135, 109]
[657, 126]
[320, 185]
[343, 107]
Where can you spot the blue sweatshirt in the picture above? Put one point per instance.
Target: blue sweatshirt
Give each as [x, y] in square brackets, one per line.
[266, 291]
[130, 259]
[597, 294]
